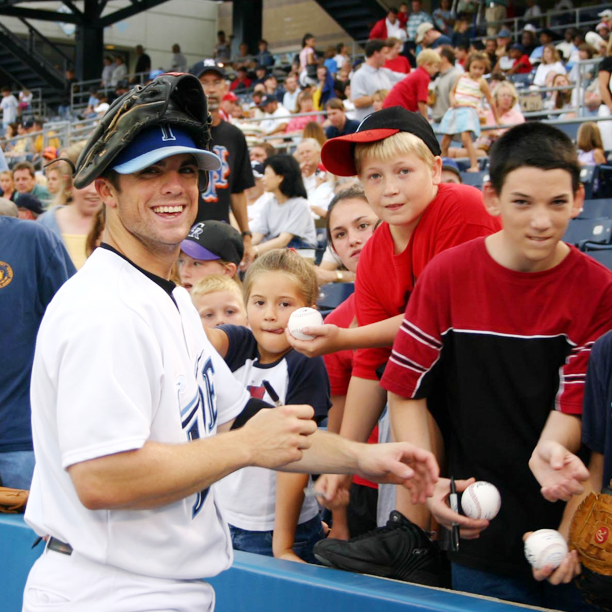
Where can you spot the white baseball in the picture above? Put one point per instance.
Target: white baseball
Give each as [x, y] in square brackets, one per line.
[545, 547]
[303, 317]
[481, 500]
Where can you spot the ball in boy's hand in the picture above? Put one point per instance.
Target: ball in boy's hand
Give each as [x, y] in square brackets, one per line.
[545, 547]
[481, 500]
[303, 317]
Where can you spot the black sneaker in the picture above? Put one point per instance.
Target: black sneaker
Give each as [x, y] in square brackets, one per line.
[401, 550]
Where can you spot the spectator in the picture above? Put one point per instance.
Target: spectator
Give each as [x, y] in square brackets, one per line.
[561, 99]
[307, 59]
[292, 91]
[495, 12]
[330, 62]
[551, 62]
[56, 184]
[64, 107]
[73, 222]
[590, 145]
[596, 41]
[9, 107]
[222, 51]
[8, 208]
[413, 91]
[264, 57]
[34, 266]
[245, 59]
[107, 72]
[450, 172]
[143, 62]
[443, 85]
[25, 100]
[256, 196]
[546, 38]
[305, 105]
[532, 13]
[402, 14]
[503, 42]
[179, 61]
[567, 47]
[378, 98]
[603, 29]
[242, 82]
[29, 207]
[519, 62]
[120, 72]
[461, 35]
[395, 61]
[528, 40]
[607, 17]
[429, 37]
[371, 77]
[340, 125]
[274, 89]
[417, 17]
[260, 151]
[308, 155]
[342, 55]
[324, 90]
[230, 106]
[443, 18]
[24, 177]
[285, 218]
[462, 54]
[261, 74]
[314, 130]
[7, 186]
[219, 301]
[276, 116]
[388, 27]
[587, 72]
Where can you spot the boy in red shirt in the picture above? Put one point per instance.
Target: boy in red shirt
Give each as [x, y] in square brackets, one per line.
[521, 64]
[412, 92]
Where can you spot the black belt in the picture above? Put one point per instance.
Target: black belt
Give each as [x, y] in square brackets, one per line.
[59, 546]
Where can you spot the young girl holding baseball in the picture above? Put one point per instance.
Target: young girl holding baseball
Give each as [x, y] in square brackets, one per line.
[462, 118]
[267, 511]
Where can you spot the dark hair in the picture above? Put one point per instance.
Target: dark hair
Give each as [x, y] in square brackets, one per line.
[6, 88]
[266, 146]
[221, 32]
[354, 192]
[24, 165]
[264, 41]
[305, 38]
[339, 47]
[535, 145]
[448, 53]
[335, 103]
[373, 46]
[286, 166]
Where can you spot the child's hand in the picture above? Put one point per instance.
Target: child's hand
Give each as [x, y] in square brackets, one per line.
[327, 338]
[333, 490]
[564, 574]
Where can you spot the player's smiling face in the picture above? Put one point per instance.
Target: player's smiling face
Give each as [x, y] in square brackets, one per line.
[153, 208]
[535, 207]
[272, 299]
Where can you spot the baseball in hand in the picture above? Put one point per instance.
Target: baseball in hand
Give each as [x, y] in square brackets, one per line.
[481, 500]
[303, 317]
[545, 547]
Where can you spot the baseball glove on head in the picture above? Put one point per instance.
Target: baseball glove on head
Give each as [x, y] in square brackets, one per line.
[172, 99]
[591, 535]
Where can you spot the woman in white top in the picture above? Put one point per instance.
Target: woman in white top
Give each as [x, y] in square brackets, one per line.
[285, 219]
[551, 62]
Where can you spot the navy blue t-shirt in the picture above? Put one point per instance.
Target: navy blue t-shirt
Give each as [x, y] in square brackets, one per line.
[350, 127]
[597, 411]
[34, 264]
[297, 379]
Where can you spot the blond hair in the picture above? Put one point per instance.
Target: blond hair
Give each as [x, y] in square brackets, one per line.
[380, 95]
[389, 149]
[290, 263]
[215, 283]
[428, 56]
[510, 87]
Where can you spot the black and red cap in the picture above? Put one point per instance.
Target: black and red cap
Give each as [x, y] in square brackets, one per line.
[338, 154]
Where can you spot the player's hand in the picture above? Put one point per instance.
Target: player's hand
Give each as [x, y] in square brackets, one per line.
[559, 472]
[570, 568]
[327, 340]
[333, 490]
[439, 507]
[277, 436]
[400, 463]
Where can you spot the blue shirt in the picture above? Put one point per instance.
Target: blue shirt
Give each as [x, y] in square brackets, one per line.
[33, 265]
[597, 409]
[350, 127]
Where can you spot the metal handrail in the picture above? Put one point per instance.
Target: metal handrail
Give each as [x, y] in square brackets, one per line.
[80, 89]
[34, 32]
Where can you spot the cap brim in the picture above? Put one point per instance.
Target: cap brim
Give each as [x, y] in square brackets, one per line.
[338, 156]
[197, 251]
[206, 160]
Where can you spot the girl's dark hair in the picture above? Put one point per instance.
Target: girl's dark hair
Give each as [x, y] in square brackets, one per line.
[286, 166]
[354, 192]
[305, 38]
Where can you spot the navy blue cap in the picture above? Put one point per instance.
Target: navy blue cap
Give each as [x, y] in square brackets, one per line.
[207, 65]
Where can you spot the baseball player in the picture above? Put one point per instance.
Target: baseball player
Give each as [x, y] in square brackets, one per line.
[134, 414]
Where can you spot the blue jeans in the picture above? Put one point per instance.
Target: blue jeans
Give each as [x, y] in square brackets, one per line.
[519, 589]
[16, 469]
[260, 542]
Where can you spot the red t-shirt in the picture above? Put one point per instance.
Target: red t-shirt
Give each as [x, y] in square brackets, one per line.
[385, 280]
[340, 367]
[524, 65]
[398, 64]
[410, 91]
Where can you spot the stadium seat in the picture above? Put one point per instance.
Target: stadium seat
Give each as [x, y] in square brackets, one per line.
[333, 294]
[603, 187]
[571, 129]
[581, 231]
[603, 256]
[476, 179]
[593, 209]
[588, 177]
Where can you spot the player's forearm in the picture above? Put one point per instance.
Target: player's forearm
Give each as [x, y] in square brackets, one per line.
[158, 474]
[365, 402]
[566, 429]
[238, 204]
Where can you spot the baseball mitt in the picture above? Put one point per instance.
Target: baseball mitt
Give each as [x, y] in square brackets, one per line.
[172, 99]
[591, 535]
[13, 501]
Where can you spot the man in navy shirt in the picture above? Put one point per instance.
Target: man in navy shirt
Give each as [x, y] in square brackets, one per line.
[340, 123]
[34, 264]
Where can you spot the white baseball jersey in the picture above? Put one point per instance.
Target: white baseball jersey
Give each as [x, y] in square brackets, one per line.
[120, 361]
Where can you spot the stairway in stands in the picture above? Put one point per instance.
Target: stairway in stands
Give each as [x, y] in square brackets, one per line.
[28, 68]
[356, 17]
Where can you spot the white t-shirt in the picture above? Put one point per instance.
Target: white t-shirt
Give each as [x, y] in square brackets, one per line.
[120, 362]
[290, 100]
[273, 120]
[542, 72]
[9, 106]
[293, 216]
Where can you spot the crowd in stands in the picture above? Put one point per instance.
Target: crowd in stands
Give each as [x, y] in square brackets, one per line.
[292, 180]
